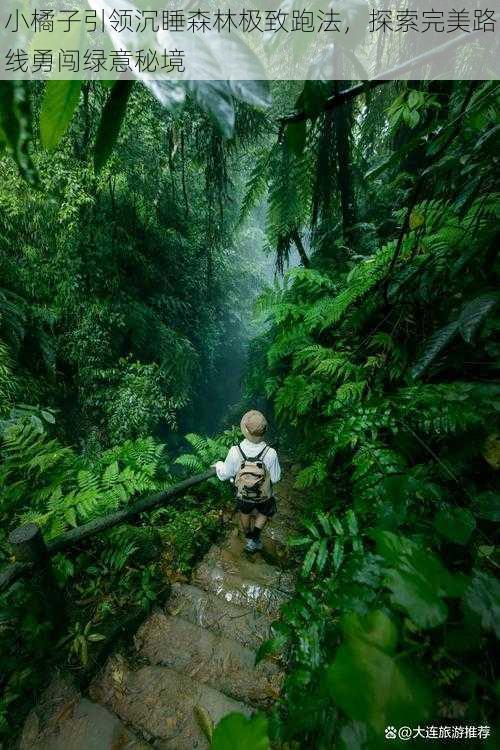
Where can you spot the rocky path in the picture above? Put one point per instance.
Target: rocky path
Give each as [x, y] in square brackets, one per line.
[194, 661]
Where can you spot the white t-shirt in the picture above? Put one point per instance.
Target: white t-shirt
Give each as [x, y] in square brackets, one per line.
[230, 467]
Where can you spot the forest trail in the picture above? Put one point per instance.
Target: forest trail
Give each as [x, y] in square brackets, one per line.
[190, 663]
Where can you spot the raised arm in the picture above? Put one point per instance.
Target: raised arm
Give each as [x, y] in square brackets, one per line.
[274, 467]
[228, 468]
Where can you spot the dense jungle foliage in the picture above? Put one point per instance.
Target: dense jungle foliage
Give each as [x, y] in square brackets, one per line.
[383, 357]
[131, 255]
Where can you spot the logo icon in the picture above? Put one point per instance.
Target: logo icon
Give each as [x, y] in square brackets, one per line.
[404, 733]
[390, 733]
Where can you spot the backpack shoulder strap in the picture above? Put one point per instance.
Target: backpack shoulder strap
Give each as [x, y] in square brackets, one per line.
[262, 453]
[242, 454]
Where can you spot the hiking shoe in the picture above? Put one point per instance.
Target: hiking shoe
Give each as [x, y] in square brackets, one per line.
[253, 545]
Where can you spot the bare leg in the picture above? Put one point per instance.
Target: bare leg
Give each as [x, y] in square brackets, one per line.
[245, 522]
[253, 541]
[260, 521]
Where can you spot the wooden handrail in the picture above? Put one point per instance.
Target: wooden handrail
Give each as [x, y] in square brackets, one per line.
[12, 573]
[386, 77]
[30, 549]
[114, 519]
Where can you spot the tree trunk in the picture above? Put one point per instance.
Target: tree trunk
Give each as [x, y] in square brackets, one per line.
[300, 247]
[342, 122]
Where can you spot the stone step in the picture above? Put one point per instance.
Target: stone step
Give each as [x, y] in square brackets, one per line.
[231, 556]
[64, 720]
[274, 539]
[247, 581]
[161, 703]
[210, 611]
[240, 591]
[213, 659]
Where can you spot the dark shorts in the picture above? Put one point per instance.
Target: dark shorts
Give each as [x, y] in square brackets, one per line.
[267, 508]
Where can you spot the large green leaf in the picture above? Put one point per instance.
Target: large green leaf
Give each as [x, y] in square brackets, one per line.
[376, 628]
[214, 97]
[487, 505]
[417, 579]
[483, 598]
[418, 594]
[59, 103]
[366, 569]
[170, 94]
[467, 323]
[111, 121]
[370, 682]
[474, 313]
[254, 92]
[16, 126]
[433, 347]
[206, 57]
[238, 731]
[392, 546]
[455, 524]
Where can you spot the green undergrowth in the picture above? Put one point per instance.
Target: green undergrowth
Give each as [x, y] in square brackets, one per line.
[110, 583]
[396, 614]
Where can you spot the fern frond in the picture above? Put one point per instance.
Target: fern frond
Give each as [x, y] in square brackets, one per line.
[256, 187]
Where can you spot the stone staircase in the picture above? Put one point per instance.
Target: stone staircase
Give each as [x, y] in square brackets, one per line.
[193, 662]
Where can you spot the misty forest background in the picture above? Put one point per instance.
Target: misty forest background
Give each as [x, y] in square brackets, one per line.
[139, 303]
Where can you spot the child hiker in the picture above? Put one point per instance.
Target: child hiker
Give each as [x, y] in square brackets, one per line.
[255, 468]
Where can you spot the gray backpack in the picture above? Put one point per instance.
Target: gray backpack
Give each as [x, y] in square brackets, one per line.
[253, 482]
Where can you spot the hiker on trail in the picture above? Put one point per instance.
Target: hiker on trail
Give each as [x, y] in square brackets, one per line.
[254, 468]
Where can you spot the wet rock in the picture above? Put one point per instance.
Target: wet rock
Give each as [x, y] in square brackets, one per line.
[209, 658]
[209, 611]
[234, 550]
[241, 592]
[162, 703]
[231, 556]
[64, 720]
[243, 580]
